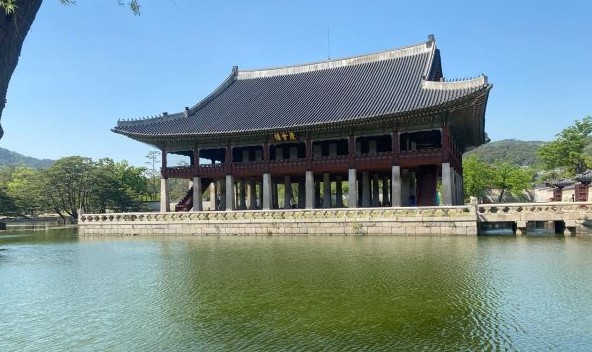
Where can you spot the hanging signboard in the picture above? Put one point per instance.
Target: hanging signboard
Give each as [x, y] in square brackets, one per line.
[284, 136]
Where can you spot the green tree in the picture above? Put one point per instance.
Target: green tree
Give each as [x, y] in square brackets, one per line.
[7, 206]
[114, 186]
[25, 189]
[510, 179]
[67, 186]
[477, 176]
[480, 177]
[16, 18]
[567, 150]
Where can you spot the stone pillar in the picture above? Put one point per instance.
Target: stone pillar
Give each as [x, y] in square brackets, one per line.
[197, 191]
[521, 228]
[375, 191]
[287, 192]
[301, 195]
[326, 190]
[365, 189]
[396, 186]
[242, 201]
[259, 195]
[266, 191]
[352, 194]
[310, 190]
[446, 184]
[252, 194]
[274, 195]
[230, 201]
[222, 192]
[318, 195]
[338, 192]
[165, 205]
[453, 186]
[461, 185]
[213, 196]
[385, 191]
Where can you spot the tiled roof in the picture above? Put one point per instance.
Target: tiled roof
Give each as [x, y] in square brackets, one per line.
[338, 91]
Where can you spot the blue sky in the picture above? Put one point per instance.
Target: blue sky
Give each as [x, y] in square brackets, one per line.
[85, 66]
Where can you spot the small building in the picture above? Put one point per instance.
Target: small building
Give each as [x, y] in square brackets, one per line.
[378, 130]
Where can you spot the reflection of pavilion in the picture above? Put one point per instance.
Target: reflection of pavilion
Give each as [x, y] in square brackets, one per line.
[386, 124]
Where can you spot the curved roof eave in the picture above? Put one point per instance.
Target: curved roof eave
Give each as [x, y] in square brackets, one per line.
[145, 137]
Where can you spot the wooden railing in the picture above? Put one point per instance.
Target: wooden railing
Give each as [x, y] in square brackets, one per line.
[378, 161]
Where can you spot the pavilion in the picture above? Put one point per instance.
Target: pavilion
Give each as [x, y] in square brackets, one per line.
[384, 129]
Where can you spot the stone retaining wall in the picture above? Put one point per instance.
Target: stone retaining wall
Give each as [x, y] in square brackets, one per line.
[440, 221]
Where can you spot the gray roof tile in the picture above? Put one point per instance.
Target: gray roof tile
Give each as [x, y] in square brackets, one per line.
[387, 83]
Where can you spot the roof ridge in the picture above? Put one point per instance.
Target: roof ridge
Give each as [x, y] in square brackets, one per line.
[420, 48]
[221, 88]
[462, 83]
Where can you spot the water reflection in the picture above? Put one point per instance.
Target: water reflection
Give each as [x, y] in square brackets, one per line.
[297, 293]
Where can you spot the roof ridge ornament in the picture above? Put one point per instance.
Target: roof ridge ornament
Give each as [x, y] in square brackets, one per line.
[431, 40]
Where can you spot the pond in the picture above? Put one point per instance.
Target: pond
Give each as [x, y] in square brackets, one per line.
[61, 292]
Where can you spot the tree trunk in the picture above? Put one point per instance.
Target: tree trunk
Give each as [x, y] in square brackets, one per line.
[13, 30]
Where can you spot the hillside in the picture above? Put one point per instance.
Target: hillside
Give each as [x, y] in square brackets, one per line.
[516, 152]
[10, 158]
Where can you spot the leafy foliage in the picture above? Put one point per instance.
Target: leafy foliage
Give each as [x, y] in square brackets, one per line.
[10, 6]
[25, 189]
[71, 184]
[568, 149]
[477, 176]
[481, 177]
[510, 179]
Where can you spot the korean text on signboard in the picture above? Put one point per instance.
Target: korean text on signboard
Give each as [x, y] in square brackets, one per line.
[284, 136]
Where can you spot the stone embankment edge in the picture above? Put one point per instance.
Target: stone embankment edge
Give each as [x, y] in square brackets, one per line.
[454, 221]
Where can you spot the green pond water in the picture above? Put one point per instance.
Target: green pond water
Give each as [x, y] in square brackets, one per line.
[61, 292]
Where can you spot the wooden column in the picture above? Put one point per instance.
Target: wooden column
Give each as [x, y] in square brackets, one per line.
[351, 149]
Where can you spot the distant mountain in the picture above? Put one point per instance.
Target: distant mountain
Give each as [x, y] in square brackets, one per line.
[516, 152]
[10, 158]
